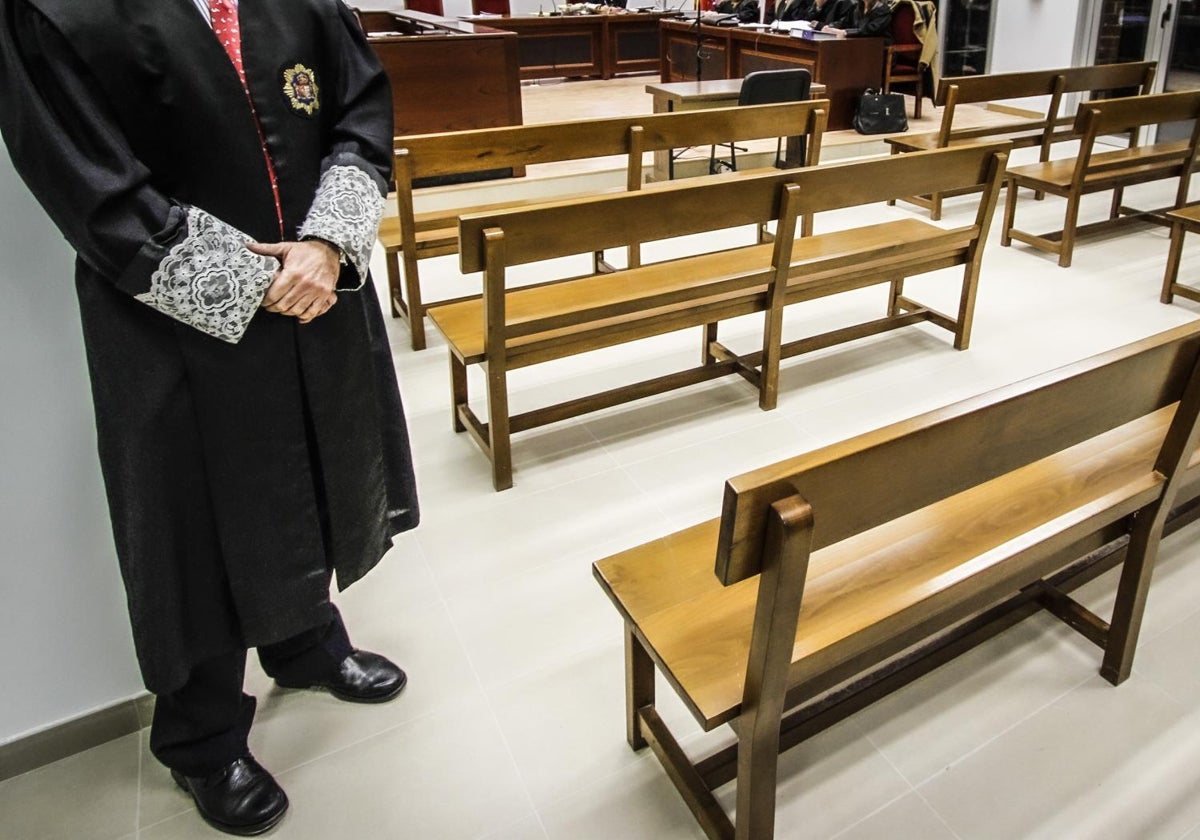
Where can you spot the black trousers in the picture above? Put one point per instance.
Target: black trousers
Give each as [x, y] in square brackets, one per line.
[203, 726]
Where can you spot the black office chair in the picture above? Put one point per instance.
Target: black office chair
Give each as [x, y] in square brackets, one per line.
[765, 87]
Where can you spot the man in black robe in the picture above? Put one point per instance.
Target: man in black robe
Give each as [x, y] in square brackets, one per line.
[220, 171]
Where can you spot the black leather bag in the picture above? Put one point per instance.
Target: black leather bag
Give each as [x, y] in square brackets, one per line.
[880, 113]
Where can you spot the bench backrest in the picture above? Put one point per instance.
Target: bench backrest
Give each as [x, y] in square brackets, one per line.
[875, 478]
[1113, 116]
[457, 152]
[1054, 84]
[556, 229]
[1030, 83]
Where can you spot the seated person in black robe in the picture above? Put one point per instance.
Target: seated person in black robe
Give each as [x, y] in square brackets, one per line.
[792, 10]
[823, 12]
[866, 18]
[746, 11]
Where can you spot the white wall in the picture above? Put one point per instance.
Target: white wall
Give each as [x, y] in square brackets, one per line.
[65, 645]
[1034, 34]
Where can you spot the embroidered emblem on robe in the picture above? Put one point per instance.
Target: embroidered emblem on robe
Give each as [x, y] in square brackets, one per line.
[300, 88]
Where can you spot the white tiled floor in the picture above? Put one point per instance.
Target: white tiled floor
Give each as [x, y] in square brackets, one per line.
[512, 726]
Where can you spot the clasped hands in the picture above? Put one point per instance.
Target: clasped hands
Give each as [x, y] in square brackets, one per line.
[304, 285]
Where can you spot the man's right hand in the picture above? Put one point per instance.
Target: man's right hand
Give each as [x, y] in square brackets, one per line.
[304, 285]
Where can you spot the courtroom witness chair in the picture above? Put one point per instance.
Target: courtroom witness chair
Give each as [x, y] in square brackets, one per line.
[768, 87]
[490, 7]
[902, 60]
[429, 7]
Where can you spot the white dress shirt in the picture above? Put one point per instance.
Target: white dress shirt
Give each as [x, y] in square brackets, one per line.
[202, 5]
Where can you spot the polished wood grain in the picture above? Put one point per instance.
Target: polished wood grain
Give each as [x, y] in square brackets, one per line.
[851, 555]
[1091, 171]
[411, 237]
[577, 314]
[1042, 130]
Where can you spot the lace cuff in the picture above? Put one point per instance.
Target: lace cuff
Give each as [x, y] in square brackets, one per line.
[346, 212]
[210, 280]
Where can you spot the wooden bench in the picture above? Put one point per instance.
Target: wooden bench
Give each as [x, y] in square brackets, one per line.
[511, 328]
[1092, 171]
[1027, 129]
[836, 569]
[1183, 221]
[412, 236]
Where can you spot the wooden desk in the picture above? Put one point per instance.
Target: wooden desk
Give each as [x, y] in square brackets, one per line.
[583, 45]
[447, 75]
[710, 93]
[846, 66]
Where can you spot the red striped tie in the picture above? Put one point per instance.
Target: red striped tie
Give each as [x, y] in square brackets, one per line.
[229, 32]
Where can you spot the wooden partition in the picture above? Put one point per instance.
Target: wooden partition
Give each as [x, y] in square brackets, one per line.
[846, 66]
[446, 75]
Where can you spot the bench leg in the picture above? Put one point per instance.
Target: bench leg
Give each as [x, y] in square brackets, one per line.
[499, 441]
[780, 591]
[1066, 247]
[1114, 209]
[458, 391]
[416, 309]
[966, 308]
[935, 207]
[1010, 213]
[768, 378]
[1171, 276]
[895, 291]
[639, 687]
[1131, 598]
[393, 277]
[758, 762]
[709, 336]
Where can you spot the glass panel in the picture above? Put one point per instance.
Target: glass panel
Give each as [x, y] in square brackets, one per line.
[1183, 71]
[1124, 30]
[968, 35]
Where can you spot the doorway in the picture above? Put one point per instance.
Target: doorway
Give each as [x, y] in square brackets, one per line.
[1166, 31]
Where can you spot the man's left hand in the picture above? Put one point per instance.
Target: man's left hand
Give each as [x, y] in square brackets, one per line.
[304, 285]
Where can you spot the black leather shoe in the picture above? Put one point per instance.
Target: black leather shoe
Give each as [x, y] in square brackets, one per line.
[241, 798]
[362, 677]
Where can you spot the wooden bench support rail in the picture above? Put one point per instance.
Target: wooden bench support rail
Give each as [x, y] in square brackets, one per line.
[884, 556]
[1042, 131]
[618, 396]
[411, 237]
[832, 338]
[1091, 171]
[1072, 613]
[745, 366]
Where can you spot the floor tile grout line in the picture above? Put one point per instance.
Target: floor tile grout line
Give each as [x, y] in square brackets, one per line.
[1005, 731]
[520, 777]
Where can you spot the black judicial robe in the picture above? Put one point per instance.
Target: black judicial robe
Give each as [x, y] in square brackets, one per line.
[221, 427]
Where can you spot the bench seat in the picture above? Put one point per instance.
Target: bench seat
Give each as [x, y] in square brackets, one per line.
[879, 585]
[1023, 135]
[1122, 165]
[818, 263]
